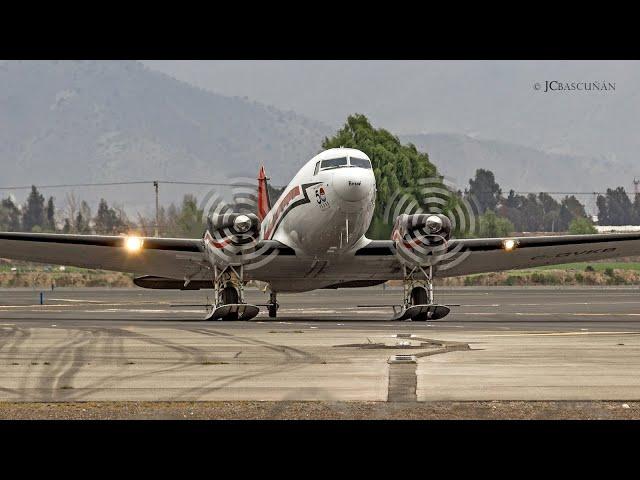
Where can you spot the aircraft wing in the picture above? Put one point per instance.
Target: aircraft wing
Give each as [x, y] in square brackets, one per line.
[467, 256]
[156, 256]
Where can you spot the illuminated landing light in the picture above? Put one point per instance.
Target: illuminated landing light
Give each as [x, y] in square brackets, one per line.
[133, 244]
[509, 245]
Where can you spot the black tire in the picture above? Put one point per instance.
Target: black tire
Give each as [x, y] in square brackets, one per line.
[273, 311]
[419, 297]
[230, 296]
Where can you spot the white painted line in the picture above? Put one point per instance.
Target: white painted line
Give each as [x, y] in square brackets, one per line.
[554, 334]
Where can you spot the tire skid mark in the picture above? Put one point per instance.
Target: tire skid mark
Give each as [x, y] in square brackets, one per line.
[293, 359]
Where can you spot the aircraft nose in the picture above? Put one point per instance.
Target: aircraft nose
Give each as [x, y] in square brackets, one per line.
[352, 184]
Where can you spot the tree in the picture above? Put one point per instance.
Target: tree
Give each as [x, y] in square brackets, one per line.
[34, 214]
[51, 214]
[492, 225]
[485, 190]
[83, 218]
[9, 216]
[397, 168]
[107, 221]
[636, 209]
[581, 226]
[615, 208]
[189, 220]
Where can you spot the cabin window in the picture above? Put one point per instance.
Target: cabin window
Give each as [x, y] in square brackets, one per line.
[334, 163]
[360, 162]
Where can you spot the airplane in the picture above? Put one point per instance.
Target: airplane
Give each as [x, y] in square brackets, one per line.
[313, 237]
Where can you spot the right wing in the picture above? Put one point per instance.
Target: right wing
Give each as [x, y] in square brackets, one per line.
[483, 255]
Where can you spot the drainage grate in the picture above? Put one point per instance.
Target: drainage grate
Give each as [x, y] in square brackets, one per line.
[402, 359]
[404, 335]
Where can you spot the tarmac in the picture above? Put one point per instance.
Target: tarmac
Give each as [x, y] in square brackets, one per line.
[501, 344]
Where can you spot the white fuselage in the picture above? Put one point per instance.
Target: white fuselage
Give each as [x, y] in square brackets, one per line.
[328, 205]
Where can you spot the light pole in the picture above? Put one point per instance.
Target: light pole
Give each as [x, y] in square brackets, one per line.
[155, 185]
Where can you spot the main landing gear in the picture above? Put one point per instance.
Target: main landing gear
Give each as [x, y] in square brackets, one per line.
[228, 289]
[418, 296]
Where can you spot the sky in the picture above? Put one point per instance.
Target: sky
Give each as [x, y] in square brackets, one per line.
[483, 99]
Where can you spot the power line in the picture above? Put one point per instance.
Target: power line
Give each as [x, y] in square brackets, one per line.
[108, 184]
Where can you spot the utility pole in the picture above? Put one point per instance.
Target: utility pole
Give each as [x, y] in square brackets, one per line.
[155, 185]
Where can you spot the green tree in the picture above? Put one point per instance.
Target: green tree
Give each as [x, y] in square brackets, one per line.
[491, 225]
[34, 213]
[189, 221]
[581, 226]
[397, 168]
[485, 190]
[9, 216]
[107, 220]
[82, 221]
[51, 214]
[615, 208]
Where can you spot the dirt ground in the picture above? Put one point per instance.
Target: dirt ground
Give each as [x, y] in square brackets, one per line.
[515, 410]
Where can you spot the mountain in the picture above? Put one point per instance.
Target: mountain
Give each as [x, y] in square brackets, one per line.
[483, 99]
[518, 167]
[100, 121]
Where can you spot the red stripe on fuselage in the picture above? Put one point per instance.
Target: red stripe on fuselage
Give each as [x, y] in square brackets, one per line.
[284, 203]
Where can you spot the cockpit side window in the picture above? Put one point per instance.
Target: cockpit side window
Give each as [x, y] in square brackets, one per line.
[317, 168]
[334, 163]
[360, 162]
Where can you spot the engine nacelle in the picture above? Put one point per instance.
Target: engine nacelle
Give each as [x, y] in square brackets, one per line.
[425, 228]
[420, 237]
[240, 226]
[232, 238]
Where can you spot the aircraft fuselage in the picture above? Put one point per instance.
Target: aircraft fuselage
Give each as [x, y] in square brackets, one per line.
[327, 207]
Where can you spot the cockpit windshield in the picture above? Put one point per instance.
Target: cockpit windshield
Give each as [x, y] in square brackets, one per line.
[360, 162]
[333, 163]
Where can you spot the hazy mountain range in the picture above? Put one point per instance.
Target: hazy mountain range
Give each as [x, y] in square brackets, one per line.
[518, 167]
[97, 121]
[489, 100]
[100, 121]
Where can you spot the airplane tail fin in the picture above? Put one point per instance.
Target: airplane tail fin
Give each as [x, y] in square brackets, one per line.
[264, 204]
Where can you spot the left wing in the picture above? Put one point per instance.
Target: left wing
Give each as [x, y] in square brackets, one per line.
[481, 255]
[156, 256]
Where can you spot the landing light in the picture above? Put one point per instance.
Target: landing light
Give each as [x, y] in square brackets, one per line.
[133, 244]
[509, 245]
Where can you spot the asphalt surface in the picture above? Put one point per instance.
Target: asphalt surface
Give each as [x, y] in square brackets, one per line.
[500, 344]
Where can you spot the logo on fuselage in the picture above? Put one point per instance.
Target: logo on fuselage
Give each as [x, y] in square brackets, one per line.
[321, 198]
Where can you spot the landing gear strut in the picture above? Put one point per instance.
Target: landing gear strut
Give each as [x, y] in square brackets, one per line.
[228, 286]
[418, 295]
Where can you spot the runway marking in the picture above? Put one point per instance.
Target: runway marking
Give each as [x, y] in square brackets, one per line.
[140, 310]
[60, 305]
[551, 334]
[75, 300]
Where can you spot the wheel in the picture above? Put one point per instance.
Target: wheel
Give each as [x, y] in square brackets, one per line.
[230, 296]
[419, 297]
[273, 310]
